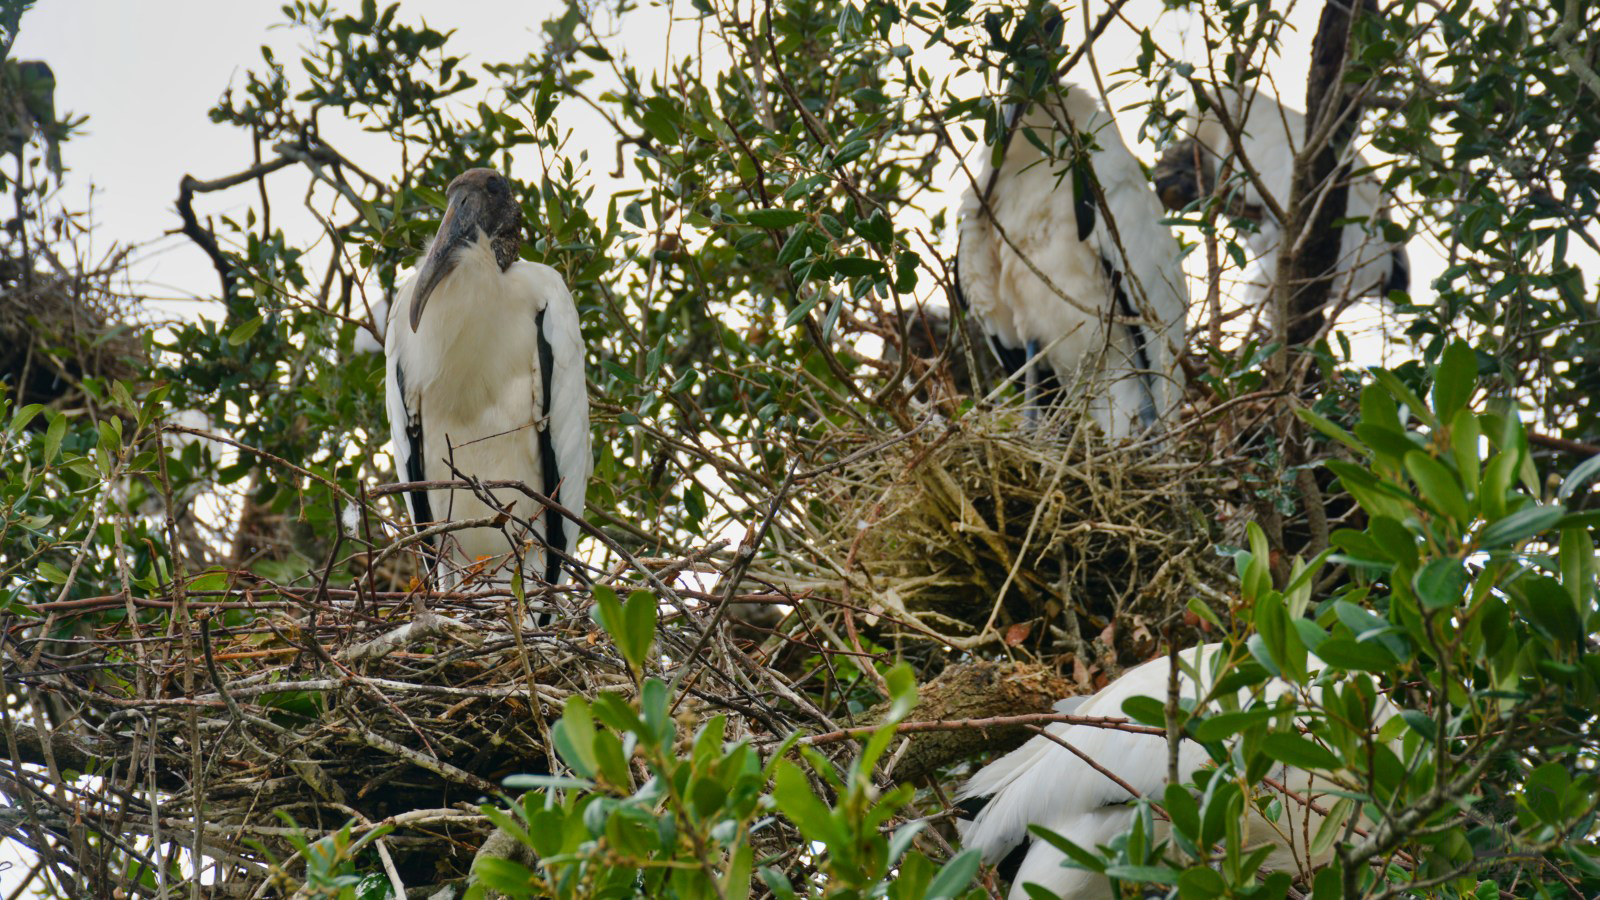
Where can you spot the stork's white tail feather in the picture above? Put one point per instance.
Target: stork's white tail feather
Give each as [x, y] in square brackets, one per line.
[1042, 783]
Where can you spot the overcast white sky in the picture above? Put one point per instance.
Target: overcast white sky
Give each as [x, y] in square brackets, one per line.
[146, 73]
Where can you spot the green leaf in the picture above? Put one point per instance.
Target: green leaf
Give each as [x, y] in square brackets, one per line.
[1298, 750]
[774, 218]
[1464, 435]
[736, 881]
[659, 126]
[1204, 612]
[795, 800]
[954, 876]
[53, 436]
[1145, 710]
[653, 704]
[1183, 811]
[777, 882]
[1143, 874]
[210, 581]
[850, 152]
[1438, 486]
[1378, 408]
[1227, 724]
[640, 614]
[1388, 442]
[1288, 657]
[1200, 881]
[1329, 882]
[803, 310]
[507, 822]
[795, 246]
[1077, 854]
[545, 782]
[1550, 606]
[25, 415]
[1581, 474]
[574, 737]
[1455, 379]
[1329, 429]
[1440, 583]
[504, 875]
[857, 266]
[1520, 525]
[1343, 653]
[1546, 790]
[1404, 394]
[902, 682]
[431, 197]
[50, 572]
[1420, 722]
[900, 842]
[244, 332]
[1495, 490]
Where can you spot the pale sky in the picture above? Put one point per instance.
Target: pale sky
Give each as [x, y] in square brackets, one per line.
[146, 73]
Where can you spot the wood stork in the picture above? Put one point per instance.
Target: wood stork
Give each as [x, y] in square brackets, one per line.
[1063, 256]
[486, 378]
[1270, 133]
[1043, 783]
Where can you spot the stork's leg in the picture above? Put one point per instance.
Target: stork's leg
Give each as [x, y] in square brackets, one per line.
[1030, 386]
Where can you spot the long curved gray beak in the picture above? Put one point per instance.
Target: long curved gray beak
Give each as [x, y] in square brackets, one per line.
[458, 228]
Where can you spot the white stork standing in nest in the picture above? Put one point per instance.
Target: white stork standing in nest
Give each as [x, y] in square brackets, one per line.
[1065, 261]
[1270, 134]
[486, 379]
[1043, 783]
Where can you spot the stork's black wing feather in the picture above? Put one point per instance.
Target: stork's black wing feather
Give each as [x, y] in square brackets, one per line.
[421, 509]
[1082, 202]
[1141, 351]
[1399, 272]
[554, 524]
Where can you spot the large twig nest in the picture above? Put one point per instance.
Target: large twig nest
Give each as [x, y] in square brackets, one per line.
[381, 711]
[57, 330]
[989, 530]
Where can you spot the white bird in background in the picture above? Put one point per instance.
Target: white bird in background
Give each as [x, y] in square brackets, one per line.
[1369, 265]
[142, 495]
[1043, 783]
[490, 381]
[369, 334]
[1096, 290]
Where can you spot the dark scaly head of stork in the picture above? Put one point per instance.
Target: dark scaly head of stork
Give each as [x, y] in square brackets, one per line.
[1035, 45]
[480, 202]
[1183, 174]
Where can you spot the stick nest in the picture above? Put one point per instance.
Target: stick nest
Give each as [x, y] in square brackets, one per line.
[988, 530]
[58, 328]
[381, 714]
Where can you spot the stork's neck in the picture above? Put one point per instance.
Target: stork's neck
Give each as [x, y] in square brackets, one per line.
[475, 287]
[478, 320]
